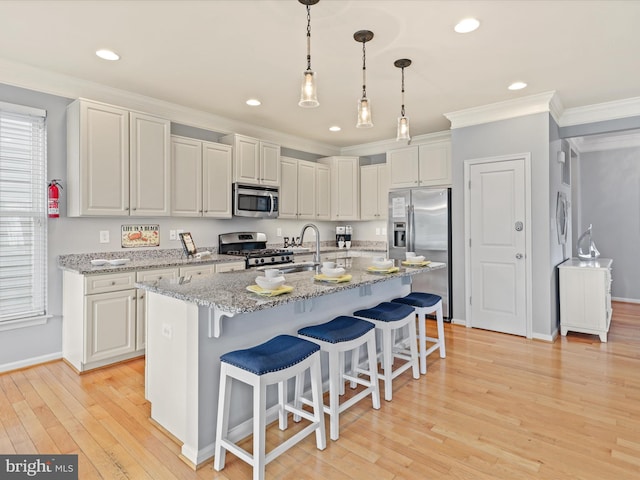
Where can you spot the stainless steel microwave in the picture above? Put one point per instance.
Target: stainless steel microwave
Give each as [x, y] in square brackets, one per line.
[255, 201]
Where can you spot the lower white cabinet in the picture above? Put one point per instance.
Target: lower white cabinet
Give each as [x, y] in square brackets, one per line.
[585, 296]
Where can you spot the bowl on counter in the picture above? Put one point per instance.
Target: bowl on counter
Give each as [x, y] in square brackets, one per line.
[333, 272]
[270, 283]
[382, 263]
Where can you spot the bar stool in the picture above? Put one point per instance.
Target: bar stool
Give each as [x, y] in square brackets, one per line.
[389, 318]
[337, 337]
[425, 304]
[274, 361]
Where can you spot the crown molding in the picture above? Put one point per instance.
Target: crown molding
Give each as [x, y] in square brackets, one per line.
[518, 107]
[609, 141]
[25, 76]
[629, 107]
[383, 146]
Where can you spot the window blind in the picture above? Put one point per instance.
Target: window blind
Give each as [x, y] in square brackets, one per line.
[23, 220]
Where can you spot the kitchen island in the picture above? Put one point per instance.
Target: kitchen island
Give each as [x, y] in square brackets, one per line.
[191, 322]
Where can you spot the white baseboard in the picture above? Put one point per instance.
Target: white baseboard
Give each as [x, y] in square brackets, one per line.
[30, 362]
[626, 300]
[457, 321]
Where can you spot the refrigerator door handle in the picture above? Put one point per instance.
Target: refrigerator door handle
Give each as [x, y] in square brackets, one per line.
[410, 229]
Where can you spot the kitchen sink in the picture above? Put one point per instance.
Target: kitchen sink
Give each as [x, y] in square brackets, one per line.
[293, 267]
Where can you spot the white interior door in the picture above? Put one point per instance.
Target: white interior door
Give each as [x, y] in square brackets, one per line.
[497, 221]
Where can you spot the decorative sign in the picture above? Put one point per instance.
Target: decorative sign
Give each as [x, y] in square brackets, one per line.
[188, 244]
[134, 236]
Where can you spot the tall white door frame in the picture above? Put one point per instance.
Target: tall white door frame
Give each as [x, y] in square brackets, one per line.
[526, 157]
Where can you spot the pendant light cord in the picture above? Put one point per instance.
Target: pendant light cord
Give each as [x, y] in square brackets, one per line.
[402, 108]
[308, 38]
[364, 70]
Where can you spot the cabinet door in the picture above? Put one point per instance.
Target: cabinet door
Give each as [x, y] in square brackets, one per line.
[230, 267]
[403, 167]
[369, 192]
[110, 327]
[306, 190]
[197, 270]
[150, 166]
[347, 191]
[383, 190]
[103, 159]
[269, 164]
[216, 178]
[141, 302]
[435, 164]
[289, 189]
[323, 192]
[246, 154]
[186, 177]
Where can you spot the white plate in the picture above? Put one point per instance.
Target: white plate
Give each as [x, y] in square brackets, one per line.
[382, 264]
[99, 262]
[417, 259]
[333, 272]
[118, 261]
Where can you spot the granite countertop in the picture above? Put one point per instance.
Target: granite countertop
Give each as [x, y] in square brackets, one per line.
[167, 258]
[228, 291]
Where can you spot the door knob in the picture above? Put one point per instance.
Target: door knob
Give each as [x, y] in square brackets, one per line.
[519, 256]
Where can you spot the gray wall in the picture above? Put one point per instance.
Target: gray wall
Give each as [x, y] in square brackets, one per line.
[519, 135]
[610, 186]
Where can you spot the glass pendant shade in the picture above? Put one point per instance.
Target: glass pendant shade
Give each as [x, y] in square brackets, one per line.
[308, 90]
[364, 114]
[403, 129]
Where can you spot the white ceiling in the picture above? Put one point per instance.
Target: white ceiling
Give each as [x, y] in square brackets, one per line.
[213, 55]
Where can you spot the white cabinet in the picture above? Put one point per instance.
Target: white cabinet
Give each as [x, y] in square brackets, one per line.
[345, 187]
[230, 267]
[374, 190]
[255, 162]
[585, 296]
[117, 161]
[197, 270]
[304, 191]
[420, 166]
[99, 319]
[200, 178]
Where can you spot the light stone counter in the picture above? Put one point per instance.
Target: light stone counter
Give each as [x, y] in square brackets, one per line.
[185, 339]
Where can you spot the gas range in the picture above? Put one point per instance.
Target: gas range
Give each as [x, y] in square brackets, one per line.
[252, 246]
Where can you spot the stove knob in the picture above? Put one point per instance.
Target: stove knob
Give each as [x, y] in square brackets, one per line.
[256, 261]
[273, 260]
[262, 260]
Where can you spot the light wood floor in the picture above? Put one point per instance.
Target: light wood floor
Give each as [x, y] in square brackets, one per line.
[498, 407]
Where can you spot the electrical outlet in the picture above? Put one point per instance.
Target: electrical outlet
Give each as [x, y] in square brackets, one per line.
[167, 331]
[173, 235]
[377, 231]
[104, 236]
[278, 232]
[384, 230]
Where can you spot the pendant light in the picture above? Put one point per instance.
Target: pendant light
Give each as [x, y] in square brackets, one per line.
[403, 121]
[364, 106]
[308, 91]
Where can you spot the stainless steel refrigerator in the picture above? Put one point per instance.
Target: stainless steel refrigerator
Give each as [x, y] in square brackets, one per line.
[420, 221]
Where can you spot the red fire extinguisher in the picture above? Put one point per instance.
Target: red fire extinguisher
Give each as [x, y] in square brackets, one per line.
[54, 198]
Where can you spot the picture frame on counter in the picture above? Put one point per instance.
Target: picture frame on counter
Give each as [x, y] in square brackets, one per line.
[188, 244]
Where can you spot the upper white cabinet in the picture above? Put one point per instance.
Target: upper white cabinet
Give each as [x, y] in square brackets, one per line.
[117, 161]
[420, 165]
[304, 191]
[345, 187]
[255, 162]
[200, 178]
[374, 189]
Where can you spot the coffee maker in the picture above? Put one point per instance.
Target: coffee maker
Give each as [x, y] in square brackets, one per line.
[343, 234]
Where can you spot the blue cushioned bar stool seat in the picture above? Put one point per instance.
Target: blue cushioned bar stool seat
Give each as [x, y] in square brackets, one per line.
[275, 361]
[426, 304]
[337, 337]
[390, 318]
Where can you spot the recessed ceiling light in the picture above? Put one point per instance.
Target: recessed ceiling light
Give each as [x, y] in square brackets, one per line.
[107, 54]
[517, 86]
[254, 102]
[467, 25]
[335, 128]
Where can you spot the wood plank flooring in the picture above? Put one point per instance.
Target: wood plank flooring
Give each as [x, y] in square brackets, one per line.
[498, 407]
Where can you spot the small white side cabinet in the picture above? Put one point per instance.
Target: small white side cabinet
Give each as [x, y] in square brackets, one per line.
[374, 190]
[585, 296]
[426, 165]
[254, 161]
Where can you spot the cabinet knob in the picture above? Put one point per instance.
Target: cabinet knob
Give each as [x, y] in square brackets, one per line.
[160, 277]
[113, 283]
[141, 297]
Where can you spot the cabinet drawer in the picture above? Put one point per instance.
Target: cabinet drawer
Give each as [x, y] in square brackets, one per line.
[158, 274]
[111, 282]
[197, 270]
[230, 267]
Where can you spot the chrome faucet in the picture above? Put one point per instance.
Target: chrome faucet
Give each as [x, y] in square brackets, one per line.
[316, 256]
